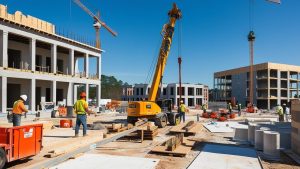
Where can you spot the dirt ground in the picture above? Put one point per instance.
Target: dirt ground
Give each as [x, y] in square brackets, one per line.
[60, 137]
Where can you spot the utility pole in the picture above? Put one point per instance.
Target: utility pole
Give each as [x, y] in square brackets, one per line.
[251, 39]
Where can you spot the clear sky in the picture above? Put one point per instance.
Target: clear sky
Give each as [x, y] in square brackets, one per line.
[214, 33]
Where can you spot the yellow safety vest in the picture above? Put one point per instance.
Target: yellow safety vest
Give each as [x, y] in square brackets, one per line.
[182, 108]
[80, 106]
[279, 110]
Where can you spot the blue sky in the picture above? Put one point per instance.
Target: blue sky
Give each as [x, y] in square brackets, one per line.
[213, 33]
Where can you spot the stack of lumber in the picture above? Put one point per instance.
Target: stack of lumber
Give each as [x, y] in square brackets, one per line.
[118, 127]
[188, 128]
[149, 132]
[175, 146]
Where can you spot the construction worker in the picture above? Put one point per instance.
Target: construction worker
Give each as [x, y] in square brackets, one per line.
[279, 111]
[204, 108]
[239, 105]
[284, 110]
[229, 107]
[18, 109]
[182, 110]
[81, 109]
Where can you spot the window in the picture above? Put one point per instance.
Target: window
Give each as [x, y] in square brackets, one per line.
[191, 91]
[142, 91]
[199, 91]
[148, 106]
[137, 91]
[164, 91]
[182, 91]
[172, 91]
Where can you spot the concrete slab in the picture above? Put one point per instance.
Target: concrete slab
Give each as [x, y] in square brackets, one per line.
[108, 162]
[216, 156]
[223, 127]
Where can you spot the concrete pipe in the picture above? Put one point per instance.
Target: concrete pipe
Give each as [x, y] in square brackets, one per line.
[285, 139]
[241, 134]
[251, 132]
[259, 138]
[271, 143]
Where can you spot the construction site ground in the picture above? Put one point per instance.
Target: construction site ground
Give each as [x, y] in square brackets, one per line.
[61, 140]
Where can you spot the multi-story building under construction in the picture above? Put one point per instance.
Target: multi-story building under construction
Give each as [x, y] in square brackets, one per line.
[38, 62]
[272, 83]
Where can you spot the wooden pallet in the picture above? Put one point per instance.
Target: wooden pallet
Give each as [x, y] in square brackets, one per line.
[149, 132]
[174, 148]
[118, 127]
[188, 128]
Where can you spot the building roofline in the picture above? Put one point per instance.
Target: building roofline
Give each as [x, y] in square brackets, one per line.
[260, 66]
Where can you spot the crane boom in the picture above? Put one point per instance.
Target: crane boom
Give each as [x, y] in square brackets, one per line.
[94, 17]
[168, 32]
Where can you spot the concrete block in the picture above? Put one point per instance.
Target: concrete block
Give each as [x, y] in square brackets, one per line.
[285, 139]
[251, 132]
[241, 134]
[259, 138]
[271, 143]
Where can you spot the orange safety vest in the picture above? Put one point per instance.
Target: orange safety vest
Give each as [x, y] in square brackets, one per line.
[19, 107]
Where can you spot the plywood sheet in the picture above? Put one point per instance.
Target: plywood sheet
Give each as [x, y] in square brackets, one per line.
[108, 162]
[216, 156]
[223, 127]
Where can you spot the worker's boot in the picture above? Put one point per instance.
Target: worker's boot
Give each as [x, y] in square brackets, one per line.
[85, 135]
[76, 135]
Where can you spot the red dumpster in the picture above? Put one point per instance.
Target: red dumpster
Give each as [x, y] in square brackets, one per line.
[20, 142]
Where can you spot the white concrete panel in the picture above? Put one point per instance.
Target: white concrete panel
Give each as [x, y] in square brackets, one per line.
[93, 161]
[226, 157]
[223, 127]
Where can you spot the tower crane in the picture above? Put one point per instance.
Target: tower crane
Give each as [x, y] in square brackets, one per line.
[97, 23]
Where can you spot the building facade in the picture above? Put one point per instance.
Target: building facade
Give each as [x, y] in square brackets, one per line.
[36, 61]
[192, 94]
[272, 83]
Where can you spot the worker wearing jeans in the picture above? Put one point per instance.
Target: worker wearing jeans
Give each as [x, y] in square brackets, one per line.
[18, 109]
[81, 109]
[182, 110]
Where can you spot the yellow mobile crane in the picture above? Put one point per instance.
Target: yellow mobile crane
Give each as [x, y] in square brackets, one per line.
[158, 111]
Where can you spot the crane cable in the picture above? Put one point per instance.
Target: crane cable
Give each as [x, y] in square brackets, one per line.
[251, 15]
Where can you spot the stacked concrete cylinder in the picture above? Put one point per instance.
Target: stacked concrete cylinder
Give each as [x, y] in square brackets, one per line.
[259, 138]
[271, 141]
[295, 137]
[241, 134]
[251, 132]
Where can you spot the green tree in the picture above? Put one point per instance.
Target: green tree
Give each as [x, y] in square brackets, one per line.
[111, 88]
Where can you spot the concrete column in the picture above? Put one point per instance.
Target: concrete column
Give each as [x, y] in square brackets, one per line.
[3, 49]
[4, 94]
[71, 62]
[54, 92]
[288, 86]
[279, 87]
[53, 58]
[32, 94]
[98, 94]
[268, 97]
[87, 87]
[75, 88]
[99, 67]
[70, 95]
[86, 61]
[32, 53]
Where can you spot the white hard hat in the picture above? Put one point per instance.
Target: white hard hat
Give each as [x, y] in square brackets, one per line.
[24, 97]
[181, 101]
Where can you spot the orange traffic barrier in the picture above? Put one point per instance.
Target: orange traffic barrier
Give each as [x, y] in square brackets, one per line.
[222, 118]
[205, 115]
[213, 115]
[65, 123]
[232, 115]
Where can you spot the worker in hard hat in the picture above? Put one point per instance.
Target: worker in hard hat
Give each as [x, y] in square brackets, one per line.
[18, 109]
[279, 111]
[229, 107]
[182, 110]
[81, 109]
